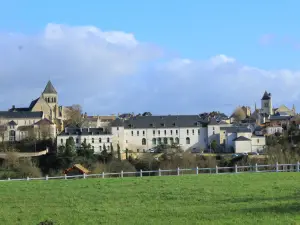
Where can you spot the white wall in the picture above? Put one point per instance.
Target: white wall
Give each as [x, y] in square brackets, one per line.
[273, 130]
[242, 146]
[258, 143]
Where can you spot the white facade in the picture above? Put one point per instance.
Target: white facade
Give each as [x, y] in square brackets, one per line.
[258, 143]
[273, 129]
[243, 146]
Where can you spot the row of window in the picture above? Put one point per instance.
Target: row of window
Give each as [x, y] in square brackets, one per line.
[165, 132]
[50, 100]
[84, 140]
[159, 141]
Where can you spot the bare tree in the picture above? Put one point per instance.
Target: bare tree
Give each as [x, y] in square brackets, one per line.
[75, 117]
[239, 114]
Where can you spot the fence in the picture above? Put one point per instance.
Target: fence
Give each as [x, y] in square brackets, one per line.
[178, 172]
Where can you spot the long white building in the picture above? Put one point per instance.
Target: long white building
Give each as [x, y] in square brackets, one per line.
[142, 133]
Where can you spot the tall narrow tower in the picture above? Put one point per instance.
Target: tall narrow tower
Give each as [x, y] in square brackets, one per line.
[266, 104]
[51, 97]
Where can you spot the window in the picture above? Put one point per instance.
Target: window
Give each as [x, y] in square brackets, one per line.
[193, 131]
[177, 140]
[159, 141]
[93, 147]
[165, 132]
[100, 140]
[198, 131]
[266, 104]
[213, 128]
[188, 141]
[165, 141]
[77, 140]
[61, 141]
[257, 140]
[117, 128]
[100, 147]
[132, 133]
[171, 141]
[187, 132]
[137, 133]
[108, 147]
[107, 140]
[176, 132]
[171, 132]
[159, 132]
[144, 141]
[138, 150]
[126, 141]
[143, 133]
[84, 140]
[153, 141]
[153, 132]
[213, 133]
[93, 140]
[144, 150]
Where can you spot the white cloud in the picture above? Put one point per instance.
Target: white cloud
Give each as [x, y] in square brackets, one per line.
[110, 72]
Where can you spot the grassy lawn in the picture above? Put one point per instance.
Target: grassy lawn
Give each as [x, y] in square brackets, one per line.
[269, 198]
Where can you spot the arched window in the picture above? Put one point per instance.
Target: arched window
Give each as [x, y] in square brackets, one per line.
[93, 140]
[188, 141]
[171, 140]
[108, 140]
[177, 140]
[100, 147]
[84, 140]
[154, 141]
[144, 141]
[100, 140]
[159, 141]
[165, 141]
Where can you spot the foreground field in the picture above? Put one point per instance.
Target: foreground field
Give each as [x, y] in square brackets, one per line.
[269, 198]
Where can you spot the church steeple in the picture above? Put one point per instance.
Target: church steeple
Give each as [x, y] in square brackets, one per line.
[49, 89]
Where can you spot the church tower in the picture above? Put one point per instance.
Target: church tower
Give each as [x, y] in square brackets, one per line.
[50, 96]
[266, 104]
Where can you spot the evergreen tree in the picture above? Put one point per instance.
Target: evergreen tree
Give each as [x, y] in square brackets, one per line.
[126, 153]
[119, 152]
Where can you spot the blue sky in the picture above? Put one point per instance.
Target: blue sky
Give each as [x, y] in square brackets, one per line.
[258, 34]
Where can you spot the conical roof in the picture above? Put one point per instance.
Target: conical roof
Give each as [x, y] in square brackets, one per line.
[266, 96]
[49, 89]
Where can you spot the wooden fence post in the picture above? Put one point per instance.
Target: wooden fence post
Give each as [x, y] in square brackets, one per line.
[276, 166]
[28, 178]
[217, 169]
[178, 171]
[84, 175]
[141, 173]
[159, 172]
[46, 178]
[103, 174]
[256, 168]
[66, 176]
[197, 170]
[236, 168]
[298, 164]
[122, 174]
[8, 178]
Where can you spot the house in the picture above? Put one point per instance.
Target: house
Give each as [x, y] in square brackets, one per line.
[98, 138]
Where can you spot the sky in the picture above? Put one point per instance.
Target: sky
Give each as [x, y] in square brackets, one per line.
[166, 57]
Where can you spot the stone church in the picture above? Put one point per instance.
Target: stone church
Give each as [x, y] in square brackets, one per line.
[48, 104]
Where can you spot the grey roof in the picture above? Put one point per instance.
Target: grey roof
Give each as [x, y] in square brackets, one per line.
[241, 138]
[12, 123]
[83, 131]
[280, 117]
[266, 96]
[213, 121]
[49, 89]
[236, 129]
[21, 114]
[32, 104]
[162, 121]
[258, 128]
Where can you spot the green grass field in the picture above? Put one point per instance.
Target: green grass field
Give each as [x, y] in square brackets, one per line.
[269, 198]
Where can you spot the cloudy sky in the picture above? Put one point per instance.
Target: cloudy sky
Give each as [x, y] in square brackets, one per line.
[134, 57]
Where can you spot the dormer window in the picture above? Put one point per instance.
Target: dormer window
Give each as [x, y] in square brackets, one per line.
[174, 124]
[162, 124]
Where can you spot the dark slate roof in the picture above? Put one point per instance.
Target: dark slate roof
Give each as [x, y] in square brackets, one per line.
[241, 138]
[12, 123]
[280, 117]
[258, 128]
[49, 89]
[83, 131]
[32, 104]
[167, 121]
[236, 129]
[22, 114]
[13, 109]
[266, 96]
[213, 121]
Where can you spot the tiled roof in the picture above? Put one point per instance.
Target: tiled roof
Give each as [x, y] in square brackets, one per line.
[236, 129]
[241, 138]
[162, 121]
[20, 115]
